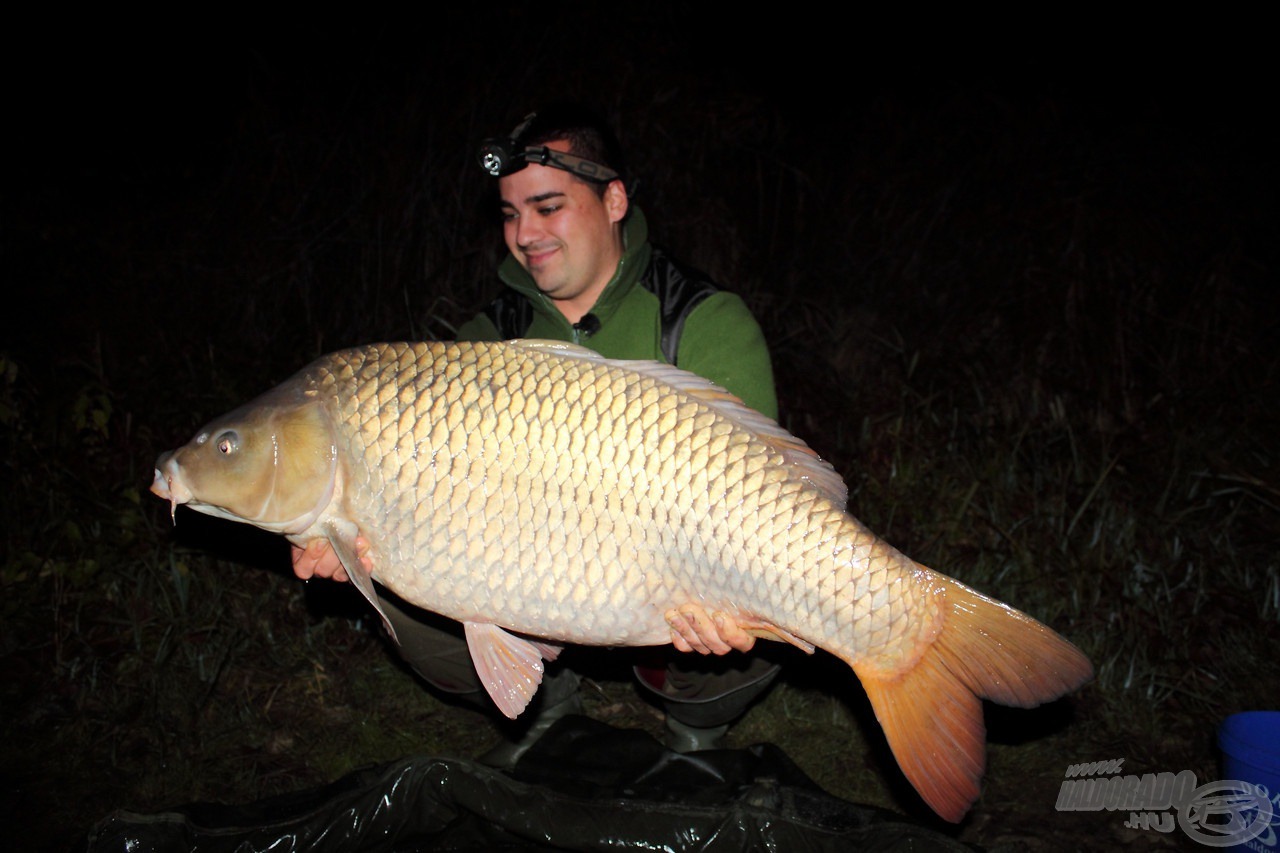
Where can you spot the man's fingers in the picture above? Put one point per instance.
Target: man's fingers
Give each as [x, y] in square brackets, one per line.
[683, 635]
[301, 568]
[362, 552]
[706, 631]
[305, 559]
[692, 625]
[692, 629]
[731, 632]
[319, 560]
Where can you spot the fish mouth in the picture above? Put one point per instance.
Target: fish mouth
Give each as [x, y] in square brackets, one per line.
[167, 484]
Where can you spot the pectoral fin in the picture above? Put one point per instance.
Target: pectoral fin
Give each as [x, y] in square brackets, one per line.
[343, 543]
[510, 667]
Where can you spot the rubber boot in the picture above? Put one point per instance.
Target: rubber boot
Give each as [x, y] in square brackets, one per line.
[558, 697]
[702, 698]
[681, 737]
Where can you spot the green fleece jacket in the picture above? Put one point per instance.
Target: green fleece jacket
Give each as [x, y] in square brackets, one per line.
[721, 341]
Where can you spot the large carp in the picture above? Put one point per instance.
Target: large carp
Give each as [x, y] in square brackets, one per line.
[542, 494]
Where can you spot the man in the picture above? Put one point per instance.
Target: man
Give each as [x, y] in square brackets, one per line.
[581, 269]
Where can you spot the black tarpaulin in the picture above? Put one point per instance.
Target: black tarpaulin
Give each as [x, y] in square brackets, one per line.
[584, 786]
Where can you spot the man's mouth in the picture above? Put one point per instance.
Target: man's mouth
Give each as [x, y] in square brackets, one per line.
[536, 257]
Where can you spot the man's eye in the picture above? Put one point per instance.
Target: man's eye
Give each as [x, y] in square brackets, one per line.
[549, 209]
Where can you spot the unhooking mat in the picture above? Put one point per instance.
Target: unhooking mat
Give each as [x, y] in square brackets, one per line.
[583, 786]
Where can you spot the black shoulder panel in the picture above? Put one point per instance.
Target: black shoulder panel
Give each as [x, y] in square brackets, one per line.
[511, 314]
[679, 290]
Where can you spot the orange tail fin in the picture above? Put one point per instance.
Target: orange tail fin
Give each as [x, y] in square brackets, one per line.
[932, 713]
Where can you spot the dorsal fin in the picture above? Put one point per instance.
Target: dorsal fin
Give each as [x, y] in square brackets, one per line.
[807, 464]
[557, 347]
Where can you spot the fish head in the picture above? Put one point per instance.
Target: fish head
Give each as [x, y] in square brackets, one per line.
[272, 463]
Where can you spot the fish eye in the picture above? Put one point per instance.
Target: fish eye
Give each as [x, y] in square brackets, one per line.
[228, 442]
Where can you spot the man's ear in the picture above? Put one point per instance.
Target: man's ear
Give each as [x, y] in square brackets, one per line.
[615, 201]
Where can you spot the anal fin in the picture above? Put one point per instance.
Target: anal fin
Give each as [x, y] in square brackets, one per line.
[768, 631]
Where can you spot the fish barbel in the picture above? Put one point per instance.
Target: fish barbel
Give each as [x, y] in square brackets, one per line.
[542, 494]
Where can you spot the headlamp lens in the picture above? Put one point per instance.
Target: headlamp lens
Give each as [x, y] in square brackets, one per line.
[494, 156]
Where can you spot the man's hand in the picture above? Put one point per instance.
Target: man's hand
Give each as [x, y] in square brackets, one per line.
[318, 560]
[693, 630]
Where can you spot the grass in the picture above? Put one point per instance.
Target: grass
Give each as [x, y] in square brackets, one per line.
[1038, 354]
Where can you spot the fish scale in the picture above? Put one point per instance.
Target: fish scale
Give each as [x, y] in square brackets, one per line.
[719, 463]
[542, 494]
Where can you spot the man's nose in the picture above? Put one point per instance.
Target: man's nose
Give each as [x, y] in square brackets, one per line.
[528, 231]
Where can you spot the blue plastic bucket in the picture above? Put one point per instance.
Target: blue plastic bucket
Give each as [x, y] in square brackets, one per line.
[1250, 744]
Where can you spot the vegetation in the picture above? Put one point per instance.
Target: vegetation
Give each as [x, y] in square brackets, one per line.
[1032, 331]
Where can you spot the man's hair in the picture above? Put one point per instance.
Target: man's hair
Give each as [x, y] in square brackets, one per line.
[588, 135]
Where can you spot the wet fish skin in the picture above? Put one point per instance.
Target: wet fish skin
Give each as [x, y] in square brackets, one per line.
[542, 494]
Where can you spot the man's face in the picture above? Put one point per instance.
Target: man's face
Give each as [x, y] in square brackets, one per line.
[564, 234]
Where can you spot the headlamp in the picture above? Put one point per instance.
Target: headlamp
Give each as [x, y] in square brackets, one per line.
[503, 155]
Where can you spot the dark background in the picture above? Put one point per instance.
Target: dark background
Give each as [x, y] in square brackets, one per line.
[120, 126]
